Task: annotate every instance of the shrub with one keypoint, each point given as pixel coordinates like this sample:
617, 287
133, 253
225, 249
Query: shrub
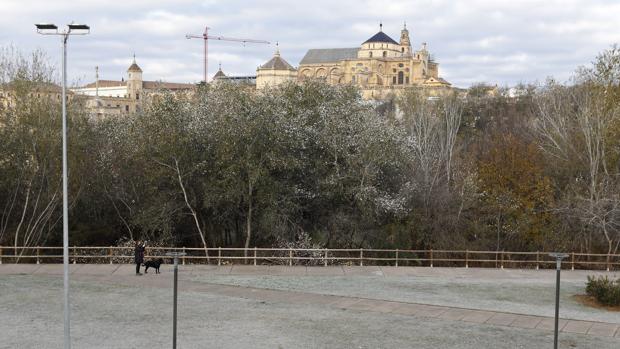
302, 241
606, 291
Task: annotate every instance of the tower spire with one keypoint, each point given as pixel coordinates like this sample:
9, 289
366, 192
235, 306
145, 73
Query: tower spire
380, 26
404, 39
277, 49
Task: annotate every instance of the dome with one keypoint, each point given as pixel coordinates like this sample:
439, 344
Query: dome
382, 38
220, 74
277, 63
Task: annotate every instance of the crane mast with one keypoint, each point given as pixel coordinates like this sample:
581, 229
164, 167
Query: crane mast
206, 37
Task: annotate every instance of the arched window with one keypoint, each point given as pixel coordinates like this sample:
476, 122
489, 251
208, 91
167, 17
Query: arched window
393, 80
402, 50
370, 54
401, 76
384, 53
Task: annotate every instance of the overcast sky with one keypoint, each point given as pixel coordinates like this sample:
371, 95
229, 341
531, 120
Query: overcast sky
499, 42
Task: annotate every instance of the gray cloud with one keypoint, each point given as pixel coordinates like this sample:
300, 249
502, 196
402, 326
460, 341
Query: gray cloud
503, 42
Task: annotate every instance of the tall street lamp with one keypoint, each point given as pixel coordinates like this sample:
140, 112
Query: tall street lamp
558, 267
72, 29
176, 256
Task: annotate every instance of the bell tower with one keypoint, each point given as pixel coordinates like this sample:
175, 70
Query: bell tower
405, 42
134, 80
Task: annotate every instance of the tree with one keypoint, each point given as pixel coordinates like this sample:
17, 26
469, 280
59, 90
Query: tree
432, 127
574, 127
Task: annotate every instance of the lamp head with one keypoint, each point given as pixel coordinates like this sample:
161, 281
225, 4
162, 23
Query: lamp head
46, 28
559, 256
74, 26
43, 26
82, 29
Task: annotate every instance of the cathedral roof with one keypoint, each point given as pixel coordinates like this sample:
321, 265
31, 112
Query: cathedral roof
277, 63
381, 37
328, 55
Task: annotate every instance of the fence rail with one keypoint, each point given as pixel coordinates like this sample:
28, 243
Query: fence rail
325, 257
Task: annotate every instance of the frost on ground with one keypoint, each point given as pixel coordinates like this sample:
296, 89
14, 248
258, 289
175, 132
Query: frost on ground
523, 295
113, 316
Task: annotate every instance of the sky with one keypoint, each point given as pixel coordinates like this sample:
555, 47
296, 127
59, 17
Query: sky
493, 41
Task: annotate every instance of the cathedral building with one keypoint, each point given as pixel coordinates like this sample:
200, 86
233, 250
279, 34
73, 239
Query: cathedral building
380, 67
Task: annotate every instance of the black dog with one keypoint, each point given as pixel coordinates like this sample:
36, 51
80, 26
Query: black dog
153, 264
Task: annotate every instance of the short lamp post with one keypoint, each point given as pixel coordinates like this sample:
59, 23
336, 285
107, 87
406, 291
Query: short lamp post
72, 29
558, 267
176, 256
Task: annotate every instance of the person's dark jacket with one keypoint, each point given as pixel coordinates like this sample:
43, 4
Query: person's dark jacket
139, 254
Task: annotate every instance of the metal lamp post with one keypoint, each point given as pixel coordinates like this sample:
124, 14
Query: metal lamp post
558, 267
176, 256
72, 29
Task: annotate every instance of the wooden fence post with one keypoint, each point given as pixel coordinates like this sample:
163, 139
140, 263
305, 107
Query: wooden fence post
361, 257
183, 258
325, 258
110, 254
608, 260
254, 255
74, 258
572, 261
38, 254
431, 257
0, 254
219, 256
290, 257
396, 264
466, 259
502, 262
537, 260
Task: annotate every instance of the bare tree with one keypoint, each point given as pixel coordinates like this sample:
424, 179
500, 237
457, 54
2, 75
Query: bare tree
572, 125
177, 171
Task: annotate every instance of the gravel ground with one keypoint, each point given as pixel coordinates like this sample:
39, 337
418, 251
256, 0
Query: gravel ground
113, 316
522, 295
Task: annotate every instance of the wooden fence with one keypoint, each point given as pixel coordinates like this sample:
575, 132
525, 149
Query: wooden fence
324, 257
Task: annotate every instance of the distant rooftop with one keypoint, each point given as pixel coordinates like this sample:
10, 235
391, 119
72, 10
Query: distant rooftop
150, 85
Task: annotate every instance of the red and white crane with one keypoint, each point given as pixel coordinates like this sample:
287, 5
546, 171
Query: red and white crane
206, 37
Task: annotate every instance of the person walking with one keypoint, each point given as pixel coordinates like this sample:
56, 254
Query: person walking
138, 256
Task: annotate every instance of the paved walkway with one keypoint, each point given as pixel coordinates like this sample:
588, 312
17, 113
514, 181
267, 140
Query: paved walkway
124, 275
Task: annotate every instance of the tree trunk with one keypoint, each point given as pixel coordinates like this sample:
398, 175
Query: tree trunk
248, 234
21, 221
118, 212
193, 212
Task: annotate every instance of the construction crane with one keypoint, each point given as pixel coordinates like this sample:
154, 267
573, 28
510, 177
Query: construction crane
206, 37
